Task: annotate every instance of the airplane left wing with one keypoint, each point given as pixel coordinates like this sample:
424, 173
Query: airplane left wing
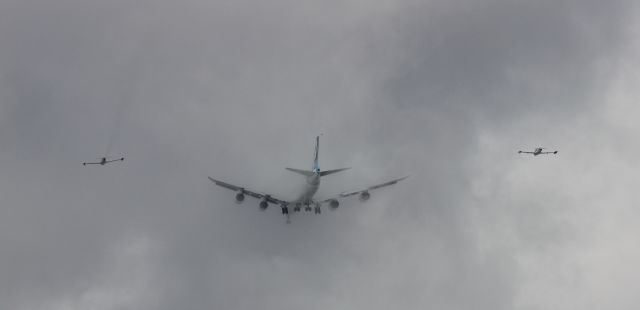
247, 192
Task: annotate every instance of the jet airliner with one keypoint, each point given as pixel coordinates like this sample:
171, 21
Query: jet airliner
306, 199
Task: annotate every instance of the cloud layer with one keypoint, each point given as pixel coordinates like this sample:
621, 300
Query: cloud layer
445, 91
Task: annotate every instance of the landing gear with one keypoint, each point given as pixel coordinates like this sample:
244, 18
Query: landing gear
285, 212
307, 208
296, 208
317, 209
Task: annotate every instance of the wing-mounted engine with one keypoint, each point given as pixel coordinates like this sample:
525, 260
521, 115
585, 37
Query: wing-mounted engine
264, 203
240, 197
334, 204
364, 196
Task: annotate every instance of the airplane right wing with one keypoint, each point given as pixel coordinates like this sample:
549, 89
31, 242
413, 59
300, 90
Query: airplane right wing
363, 192
374, 187
247, 192
110, 161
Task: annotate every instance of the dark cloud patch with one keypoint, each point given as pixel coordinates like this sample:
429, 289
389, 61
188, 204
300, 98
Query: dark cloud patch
498, 59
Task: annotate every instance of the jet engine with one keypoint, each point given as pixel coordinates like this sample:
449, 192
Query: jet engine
239, 197
364, 196
264, 205
334, 204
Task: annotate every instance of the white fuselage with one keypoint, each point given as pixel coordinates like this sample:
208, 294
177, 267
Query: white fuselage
310, 188
537, 152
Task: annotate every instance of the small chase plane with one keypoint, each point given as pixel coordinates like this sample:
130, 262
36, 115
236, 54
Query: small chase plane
305, 200
538, 151
103, 161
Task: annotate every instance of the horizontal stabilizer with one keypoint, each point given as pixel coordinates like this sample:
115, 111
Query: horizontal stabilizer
327, 172
310, 173
300, 171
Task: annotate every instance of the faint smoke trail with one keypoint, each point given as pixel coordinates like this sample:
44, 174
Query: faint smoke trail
126, 97
117, 123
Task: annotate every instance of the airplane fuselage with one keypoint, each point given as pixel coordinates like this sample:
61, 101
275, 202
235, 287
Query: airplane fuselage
311, 187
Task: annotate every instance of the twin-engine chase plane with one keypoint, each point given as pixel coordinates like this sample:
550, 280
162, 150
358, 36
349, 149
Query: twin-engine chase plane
103, 161
306, 199
538, 151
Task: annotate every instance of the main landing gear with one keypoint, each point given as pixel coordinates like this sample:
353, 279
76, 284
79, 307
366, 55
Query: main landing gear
285, 212
307, 208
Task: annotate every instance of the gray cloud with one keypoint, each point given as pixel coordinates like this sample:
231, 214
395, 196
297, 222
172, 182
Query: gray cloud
446, 92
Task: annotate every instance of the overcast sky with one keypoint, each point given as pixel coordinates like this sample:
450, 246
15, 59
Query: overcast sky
447, 91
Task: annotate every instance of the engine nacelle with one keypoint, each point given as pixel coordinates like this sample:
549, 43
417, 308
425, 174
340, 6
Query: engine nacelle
239, 197
364, 196
334, 204
264, 205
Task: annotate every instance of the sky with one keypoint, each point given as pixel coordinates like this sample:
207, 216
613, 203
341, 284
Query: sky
446, 91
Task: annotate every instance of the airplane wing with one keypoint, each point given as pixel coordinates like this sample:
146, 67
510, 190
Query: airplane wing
247, 192
554, 152
90, 164
525, 152
110, 161
366, 190
370, 188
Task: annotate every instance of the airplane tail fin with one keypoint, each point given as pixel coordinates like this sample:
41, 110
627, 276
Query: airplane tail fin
316, 165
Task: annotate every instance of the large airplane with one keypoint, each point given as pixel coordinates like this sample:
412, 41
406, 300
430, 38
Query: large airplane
103, 161
538, 151
305, 199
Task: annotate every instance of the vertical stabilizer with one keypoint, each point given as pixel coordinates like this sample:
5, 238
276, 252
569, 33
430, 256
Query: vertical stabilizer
316, 165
